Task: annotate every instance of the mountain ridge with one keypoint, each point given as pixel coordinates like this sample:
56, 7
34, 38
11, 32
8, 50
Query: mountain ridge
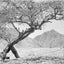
27, 43
50, 39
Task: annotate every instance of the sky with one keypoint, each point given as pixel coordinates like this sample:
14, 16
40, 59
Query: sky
57, 25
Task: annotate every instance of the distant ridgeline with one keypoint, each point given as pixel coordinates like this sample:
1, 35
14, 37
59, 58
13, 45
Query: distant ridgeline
50, 39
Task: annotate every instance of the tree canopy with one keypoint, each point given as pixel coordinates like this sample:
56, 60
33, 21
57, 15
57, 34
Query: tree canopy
34, 14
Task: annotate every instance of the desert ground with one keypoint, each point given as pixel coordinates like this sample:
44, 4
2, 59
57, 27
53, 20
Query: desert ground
47, 48
37, 56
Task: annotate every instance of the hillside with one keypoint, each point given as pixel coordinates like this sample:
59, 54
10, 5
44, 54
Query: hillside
50, 39
27, 43
38, 56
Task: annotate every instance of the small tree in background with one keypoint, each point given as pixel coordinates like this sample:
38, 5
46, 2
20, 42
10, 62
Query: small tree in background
35, 15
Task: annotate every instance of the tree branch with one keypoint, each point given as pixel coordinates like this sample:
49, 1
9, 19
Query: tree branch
24, 22
10, 45
15, 27
24, 35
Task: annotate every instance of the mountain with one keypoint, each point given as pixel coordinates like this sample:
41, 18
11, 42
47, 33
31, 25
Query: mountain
50, 39
27, 43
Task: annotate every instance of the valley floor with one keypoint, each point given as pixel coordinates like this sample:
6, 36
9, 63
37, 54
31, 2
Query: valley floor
39, 60
37, 56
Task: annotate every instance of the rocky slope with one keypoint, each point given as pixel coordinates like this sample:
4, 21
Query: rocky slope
50, 39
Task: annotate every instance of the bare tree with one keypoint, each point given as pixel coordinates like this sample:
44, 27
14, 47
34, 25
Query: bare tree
28, 12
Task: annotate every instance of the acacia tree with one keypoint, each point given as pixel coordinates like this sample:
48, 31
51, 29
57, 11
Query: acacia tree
4, 32
25, 12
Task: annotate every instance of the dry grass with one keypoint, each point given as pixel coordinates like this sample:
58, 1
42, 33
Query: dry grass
39, 60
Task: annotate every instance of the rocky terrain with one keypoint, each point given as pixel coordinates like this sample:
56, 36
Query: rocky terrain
50, 39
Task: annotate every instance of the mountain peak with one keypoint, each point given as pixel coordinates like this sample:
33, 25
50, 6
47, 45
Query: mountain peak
51, 33
50, 39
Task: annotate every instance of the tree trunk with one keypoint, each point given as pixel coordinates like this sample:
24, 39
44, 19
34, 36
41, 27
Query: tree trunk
7, 49
14, 51
10, 45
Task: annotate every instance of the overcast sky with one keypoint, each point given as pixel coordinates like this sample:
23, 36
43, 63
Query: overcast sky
57, 25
